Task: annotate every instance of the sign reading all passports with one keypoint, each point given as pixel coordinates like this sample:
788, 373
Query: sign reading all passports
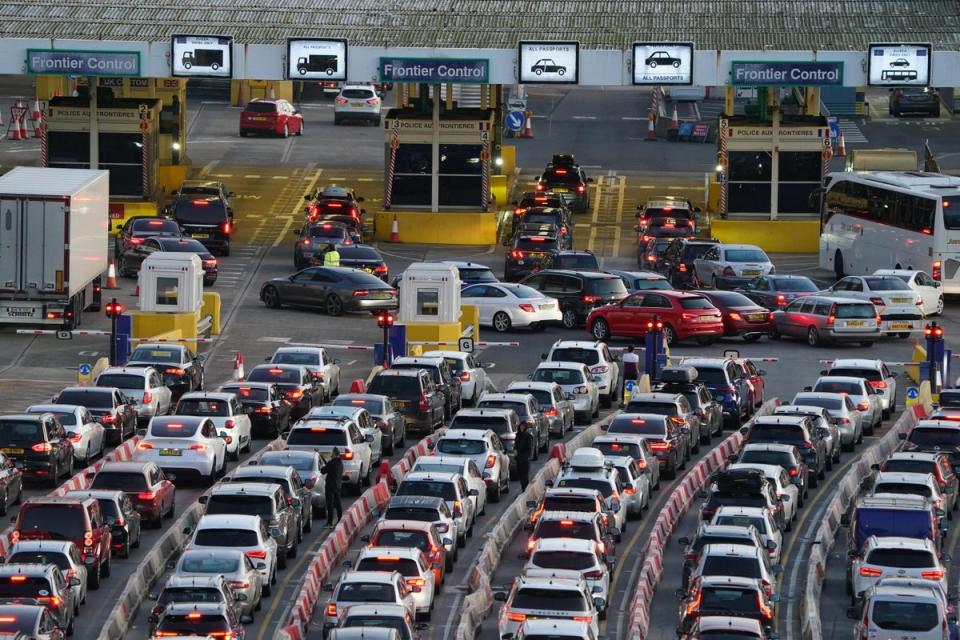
435, 70
549, 62
662, 63
201, 56
316, 59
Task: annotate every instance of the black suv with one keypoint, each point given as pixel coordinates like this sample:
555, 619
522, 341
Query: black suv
578, 292
650, 252
557, 216
682, 380
676, 262
447, 383
531, 199
413, 395
269, 408
532, 250
109, 406
205, 218
570, 182
798, 430
38, 444
576, 260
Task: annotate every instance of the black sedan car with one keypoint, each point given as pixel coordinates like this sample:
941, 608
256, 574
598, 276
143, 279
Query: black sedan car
776, 292
295, 382
337, 290
108, 405
38, 444
138, 228
557, 216
182, 370
129, 262
269, 409
364, 258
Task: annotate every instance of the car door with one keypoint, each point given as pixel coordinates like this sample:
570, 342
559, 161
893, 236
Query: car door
621, 317
927, 288
298, 288
793, 318
706, 265
214, 440
655, 305
155, 386
758, 290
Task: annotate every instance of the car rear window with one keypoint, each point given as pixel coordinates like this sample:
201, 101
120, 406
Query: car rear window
549, 599
850, 388
733, 299
891, 283
655, 408
560, 376
60, 521
781, 458
901, 558
565, 529
910, 466
306, 359
537, 244
403, 387
154, 226
703, 541
903, 488
173, 429
379, 621
358, 94
605, 488
430, 489
249, 394
569, 503
359, 253
238, 504
830, 404
24, 622
191, 625
699, 302
40, 557
401, 538
561, 176
197, 563
407, 567
372, 405
366, 592
108, 508
606, 286
618, 449
588, 357
117, 480
325, 231
20, 432
226, 538
202, 407
794, 285
153, 354
519, 407
317, 436
854, 311
785, 433
20, 586
182, 245
576, 261
736, 566
728, 601
412, 513
190, 594
563, 560
905, 616
261, 107
638, 426
867, 374
652, 284
461, 447
745, 255
742, 521
274, 374
121, 381
496, 424
202, 210
944, 437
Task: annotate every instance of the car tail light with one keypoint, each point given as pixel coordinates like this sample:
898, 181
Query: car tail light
260, 554
310, 482
682, 267
229, 424
108, 419
841, 420
735, 316
641, 464
660, 446
347, 454
380, 269
806, 444
491, 460
373, 101
174, 371
516, 617
728, 271
144, 446
146, 495
442, 527
582, 389
225, 635
581, 188
937, 270
53, 601
226, 227
765, 611
74, 437
197, 446
870, 572
831, 319
878, 320
630, 491
360, 293
200, 203
264, 410
424, 404
210, 262
147, 397
332, 607
516, 254
600, 369
465, 376
878, 384
582, 618
531, 544
416, 582
42, 447
767, 588
591, 299
932, 575
296, 394
18, 578
457, 509
240, 584
593, 575
878, 301
341, 101
863, 406
551, 412
317, 375
526, 307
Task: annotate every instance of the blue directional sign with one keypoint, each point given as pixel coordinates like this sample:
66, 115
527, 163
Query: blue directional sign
514, 120
85, 369
913, 393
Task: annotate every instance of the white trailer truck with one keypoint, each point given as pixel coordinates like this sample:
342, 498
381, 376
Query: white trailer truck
53, 244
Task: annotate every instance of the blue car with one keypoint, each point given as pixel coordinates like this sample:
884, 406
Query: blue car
720, 377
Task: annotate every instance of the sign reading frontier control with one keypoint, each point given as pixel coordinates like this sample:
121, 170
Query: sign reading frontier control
83, 63
787, 74
435, 70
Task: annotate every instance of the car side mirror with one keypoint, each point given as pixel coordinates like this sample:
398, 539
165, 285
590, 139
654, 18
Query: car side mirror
328, 587
431, 445
901, 436
90, 475
845, 522
74, 582
808, 388
240, 597
308, 197
474, 493
744, 429
615, 532
368, 438
599, 603
762, 372
785, 498
702, 494
947, 557
246, 619
142, 433
500, 596
260, 566
684, 541
568, 396
111, 520
187, 531
447, 542
771, 545
589, 179
853, 612
296, 232
531, 504
203, 499
777, 569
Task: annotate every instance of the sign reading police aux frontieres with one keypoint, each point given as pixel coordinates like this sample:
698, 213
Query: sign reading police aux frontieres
787, 74
435, 70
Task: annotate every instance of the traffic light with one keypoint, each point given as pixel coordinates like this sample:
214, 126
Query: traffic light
651, 325
933, 331
385, 319
114, 309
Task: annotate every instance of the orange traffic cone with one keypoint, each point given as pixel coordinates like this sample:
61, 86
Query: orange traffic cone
386, 474
651, 126
841, 147
14, 129
36, 108
111, 277
675, 119
395, 230
238, 367
23, 127
528, 128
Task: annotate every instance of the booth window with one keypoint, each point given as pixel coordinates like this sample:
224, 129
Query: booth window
748, 197
414, 158
460, 175
428, 302
750, 166
800, 173
67, 148
167, 291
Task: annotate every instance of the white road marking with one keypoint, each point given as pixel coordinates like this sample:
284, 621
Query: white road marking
584, 117
207, 168
288, 149
281, 177
631, 118
252, 176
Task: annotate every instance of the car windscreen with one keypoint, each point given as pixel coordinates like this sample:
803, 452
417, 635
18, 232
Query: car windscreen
785, 433
867, 374
736, 566
407, 567
25, 433
249, 394
588, 357
578, 261
305, 358
903, 488
202, 210
239, 504
412, 513
535, 244
404, 538
59, 521
905, 616
519, 407
910, 466
560, 376
403, 387
853, 311
202, 563
901, 558
945, 437
698, 302
549, 599
578, 504
24, 586
461, 447
563, 560
835, 386
226, 538
366, 592
830, 404
638, 427
794, 285
890, 283
121, 381
618, 449
497, 424
182, 245
655, 408
582, 530
202, 407
275, 374
612, 286
66, 418
605, 488
154, 227
119, 480
318, 436
728, 601
41, 557
781, 458
704, 540
165, 429
155, 354
428, 488
745, 255
190, 594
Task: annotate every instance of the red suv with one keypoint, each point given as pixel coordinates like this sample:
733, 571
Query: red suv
152, 493
270, 116
69, 518
683, 315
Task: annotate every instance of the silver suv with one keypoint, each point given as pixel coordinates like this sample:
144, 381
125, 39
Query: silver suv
357, 102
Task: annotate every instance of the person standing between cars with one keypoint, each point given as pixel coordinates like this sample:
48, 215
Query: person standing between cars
523, 446
331, 257
631, 365
333, 469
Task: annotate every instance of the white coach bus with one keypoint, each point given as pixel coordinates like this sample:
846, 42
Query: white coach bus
892, 220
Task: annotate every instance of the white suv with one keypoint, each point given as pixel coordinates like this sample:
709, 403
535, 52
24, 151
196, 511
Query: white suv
598, 359
574, 378
242, 532
324, 434
357, 102
897, 557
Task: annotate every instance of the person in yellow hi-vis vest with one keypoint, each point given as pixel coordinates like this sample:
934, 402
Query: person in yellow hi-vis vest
331, 258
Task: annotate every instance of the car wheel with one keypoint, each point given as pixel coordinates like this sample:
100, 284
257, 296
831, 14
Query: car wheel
267, 590
501, 321
55, 476
939, 310
601, 331
569, 318
333, 306
271, 297
669, 335
300, 129
236, 454
715, 283
813, 337
774, 333
286, 131
3, 504
752, 337
243, 133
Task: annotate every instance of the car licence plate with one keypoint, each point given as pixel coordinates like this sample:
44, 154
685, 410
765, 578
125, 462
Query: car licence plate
257, 119
356, 104
399, 404
559, 190
546, 306
11, 451
750, 272
170, 452
381, 295
854, 323
900, 300
199, 235
757, 316
899, 325
22, 312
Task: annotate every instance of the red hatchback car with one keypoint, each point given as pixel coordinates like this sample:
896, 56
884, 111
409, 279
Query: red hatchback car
152, 493
741, 315
684, 315
270, 116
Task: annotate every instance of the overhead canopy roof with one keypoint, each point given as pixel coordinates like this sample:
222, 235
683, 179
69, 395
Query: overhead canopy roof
596, 24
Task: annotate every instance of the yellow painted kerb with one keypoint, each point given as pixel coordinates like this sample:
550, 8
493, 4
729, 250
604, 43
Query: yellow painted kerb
452, 227
775, 236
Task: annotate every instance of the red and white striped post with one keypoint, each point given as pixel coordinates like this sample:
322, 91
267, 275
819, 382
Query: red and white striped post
391, 170
724, 128
145, 142
826, 156
485, 171
44, 141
